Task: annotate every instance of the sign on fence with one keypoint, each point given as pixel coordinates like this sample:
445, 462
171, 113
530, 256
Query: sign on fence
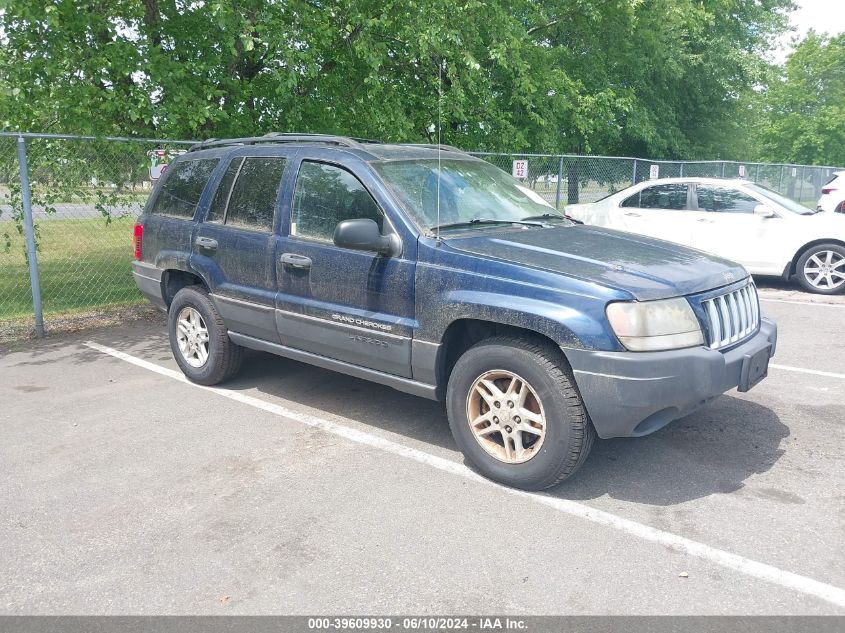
160, 159
520, 169
654, 172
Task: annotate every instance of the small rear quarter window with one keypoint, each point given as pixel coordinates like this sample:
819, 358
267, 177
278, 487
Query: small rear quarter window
183, 185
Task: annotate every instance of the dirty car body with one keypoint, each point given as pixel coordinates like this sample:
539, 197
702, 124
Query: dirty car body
408, 314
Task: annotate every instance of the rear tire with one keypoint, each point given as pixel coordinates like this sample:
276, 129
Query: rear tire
821, 269
515, 413
200, 340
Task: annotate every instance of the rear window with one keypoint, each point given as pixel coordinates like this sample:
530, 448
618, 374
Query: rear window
180, 192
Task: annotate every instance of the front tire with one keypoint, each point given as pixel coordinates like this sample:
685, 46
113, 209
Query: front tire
200, 340
821, 269
516, 415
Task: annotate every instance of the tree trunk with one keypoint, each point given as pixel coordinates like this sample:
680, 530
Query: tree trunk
572, 183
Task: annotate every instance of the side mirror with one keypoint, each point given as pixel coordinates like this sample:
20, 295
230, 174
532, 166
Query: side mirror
363, 235
764, 211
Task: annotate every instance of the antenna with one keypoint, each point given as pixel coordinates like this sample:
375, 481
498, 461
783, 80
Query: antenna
439, 149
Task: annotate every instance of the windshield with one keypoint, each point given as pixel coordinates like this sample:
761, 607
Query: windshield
472, 193
786, 203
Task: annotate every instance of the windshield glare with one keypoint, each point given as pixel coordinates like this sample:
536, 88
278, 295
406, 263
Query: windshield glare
786, 203
469, 190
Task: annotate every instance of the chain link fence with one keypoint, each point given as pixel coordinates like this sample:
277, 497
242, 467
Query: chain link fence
563, 180
85, 196
87, 192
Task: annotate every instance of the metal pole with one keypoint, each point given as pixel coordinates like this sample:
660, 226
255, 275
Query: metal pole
634, 173
34, 280
780, 182
682, 170
723, 169
801, 188
757, 178
559, 178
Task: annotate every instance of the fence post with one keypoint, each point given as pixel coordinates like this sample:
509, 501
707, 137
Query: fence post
682, 170
634, 174
757, 178
31, 255
780, 182
723, 169
559, 178
801, 187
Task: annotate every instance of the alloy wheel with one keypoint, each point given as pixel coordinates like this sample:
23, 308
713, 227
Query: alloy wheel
192, 337
825, 270
506, 416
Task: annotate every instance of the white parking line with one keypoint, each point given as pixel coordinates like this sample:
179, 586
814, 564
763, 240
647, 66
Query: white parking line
805, 303
762, 571
814, 372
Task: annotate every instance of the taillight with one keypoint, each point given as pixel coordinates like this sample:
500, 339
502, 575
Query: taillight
137, 240
828, 190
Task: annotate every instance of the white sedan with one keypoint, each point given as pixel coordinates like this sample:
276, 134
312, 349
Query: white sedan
736, 219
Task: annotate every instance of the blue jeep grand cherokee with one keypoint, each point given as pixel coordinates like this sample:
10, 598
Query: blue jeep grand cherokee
433, 272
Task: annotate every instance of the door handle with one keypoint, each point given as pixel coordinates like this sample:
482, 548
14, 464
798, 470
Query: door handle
708, 220
207, 243
295, 261
631, 214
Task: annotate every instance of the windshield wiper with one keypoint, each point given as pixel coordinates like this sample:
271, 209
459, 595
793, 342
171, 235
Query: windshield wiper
546, 216
477, 221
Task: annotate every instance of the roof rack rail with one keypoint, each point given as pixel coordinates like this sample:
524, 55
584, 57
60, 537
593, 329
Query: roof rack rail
441, 146
284, 137
331, 137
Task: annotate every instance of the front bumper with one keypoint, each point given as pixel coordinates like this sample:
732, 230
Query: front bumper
629, 394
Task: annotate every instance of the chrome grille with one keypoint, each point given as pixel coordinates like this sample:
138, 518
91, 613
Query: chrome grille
732, 316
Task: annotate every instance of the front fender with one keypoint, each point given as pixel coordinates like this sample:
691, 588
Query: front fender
581, 326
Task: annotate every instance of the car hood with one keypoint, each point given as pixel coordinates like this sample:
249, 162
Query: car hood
646, 268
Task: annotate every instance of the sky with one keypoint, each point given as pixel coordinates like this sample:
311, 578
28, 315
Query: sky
823, 16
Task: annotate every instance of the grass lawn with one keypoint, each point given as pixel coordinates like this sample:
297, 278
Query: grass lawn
84, 264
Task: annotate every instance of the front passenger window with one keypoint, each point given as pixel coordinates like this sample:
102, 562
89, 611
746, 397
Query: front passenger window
327, 195
724, 200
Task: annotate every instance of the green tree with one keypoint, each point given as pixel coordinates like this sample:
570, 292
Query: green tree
804, 118
667, 78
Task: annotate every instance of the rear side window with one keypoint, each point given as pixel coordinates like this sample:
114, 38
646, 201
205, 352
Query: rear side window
246, 197
182, 187
724, 200
217, 210
672, 196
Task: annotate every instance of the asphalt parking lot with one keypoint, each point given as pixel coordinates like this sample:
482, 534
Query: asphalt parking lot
296, 490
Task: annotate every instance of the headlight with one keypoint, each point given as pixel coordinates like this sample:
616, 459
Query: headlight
650, 326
